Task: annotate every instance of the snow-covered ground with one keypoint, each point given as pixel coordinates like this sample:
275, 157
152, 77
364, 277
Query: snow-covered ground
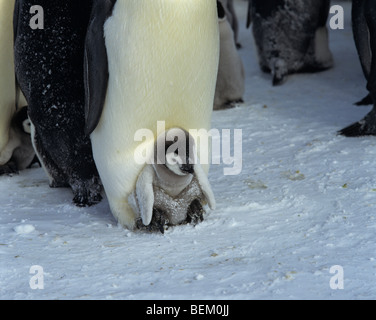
304, 202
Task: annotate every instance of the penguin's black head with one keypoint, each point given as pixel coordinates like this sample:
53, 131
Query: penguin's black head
21, 121
179, 152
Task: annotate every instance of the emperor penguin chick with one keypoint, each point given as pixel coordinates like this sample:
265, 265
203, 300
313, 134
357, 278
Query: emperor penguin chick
19, 153
171, 190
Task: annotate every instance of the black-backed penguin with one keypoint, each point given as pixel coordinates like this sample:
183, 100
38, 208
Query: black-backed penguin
364, 30
171, 189
49, 70
7, 77
361, 35
291, 36
230, 85
19, 153
146, 61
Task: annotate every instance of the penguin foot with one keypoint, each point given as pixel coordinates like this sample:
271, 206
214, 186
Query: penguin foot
279, 71
195, 212
278, 80
9, 168
228, 105
159, 222
34, 161
87, 193
365, 101
365, 127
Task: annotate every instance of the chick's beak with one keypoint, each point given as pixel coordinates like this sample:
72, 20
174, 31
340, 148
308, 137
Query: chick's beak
187, 168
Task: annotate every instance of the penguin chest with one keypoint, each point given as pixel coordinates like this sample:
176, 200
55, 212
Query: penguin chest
176, 208
162, 64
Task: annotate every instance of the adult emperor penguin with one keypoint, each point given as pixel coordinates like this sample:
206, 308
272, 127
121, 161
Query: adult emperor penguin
171, 189
230, 85
146, 61
291, 36
49, 70
364, 30
7, 76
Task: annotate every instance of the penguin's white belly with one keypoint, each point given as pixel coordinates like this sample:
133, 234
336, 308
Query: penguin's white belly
163, 61
7, 77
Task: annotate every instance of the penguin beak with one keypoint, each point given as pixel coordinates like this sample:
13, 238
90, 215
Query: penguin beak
187, 168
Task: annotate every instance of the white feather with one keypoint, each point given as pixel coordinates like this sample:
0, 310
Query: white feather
145, 194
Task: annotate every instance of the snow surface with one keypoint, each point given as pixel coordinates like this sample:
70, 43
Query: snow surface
304, 202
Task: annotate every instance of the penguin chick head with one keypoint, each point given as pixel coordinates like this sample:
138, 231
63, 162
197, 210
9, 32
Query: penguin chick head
21, 121
176, 151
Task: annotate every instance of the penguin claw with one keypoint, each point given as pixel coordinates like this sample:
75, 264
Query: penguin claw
159, 222
229, 104
364, 127
10, 169
87, 193
278, 80
195, 213
365, 101
359, 129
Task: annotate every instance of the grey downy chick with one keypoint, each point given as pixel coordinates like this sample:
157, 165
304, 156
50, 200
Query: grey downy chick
173, 189
19, 153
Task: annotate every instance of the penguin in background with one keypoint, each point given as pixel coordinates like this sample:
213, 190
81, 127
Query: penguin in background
232, 18
8, 93
230, 85
364, 30
49, 71
361, 38
162, 66
291, 36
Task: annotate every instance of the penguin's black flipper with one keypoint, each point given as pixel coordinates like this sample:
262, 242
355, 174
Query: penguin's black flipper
249, 14
361, 35
96, 64
16, 15
365, 101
